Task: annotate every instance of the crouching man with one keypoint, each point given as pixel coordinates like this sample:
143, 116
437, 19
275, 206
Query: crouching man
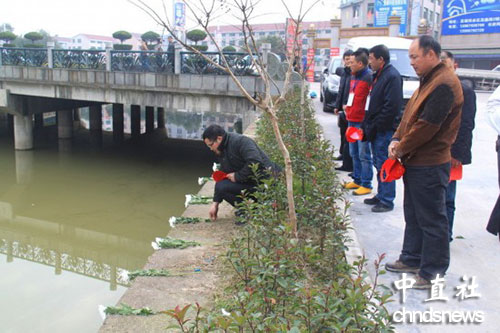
236, 153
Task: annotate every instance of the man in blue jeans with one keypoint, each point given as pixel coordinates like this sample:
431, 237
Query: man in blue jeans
355, 113
384, 105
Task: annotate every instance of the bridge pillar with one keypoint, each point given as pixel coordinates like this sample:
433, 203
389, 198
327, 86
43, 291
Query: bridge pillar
24, 166
95, 118
95, 124
150, 119
118, 123
65, 124
10, 124
160, 120
135, 121
23, 132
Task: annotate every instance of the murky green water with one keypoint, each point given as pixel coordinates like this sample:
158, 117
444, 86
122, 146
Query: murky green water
73, 217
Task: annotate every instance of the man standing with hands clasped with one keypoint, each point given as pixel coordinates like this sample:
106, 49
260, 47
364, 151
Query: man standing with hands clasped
361, 80
384, 105
422, 141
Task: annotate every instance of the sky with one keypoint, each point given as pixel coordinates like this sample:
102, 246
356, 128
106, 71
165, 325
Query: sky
67, 18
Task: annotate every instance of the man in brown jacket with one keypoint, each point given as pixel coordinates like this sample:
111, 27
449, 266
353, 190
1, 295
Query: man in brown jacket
422, 142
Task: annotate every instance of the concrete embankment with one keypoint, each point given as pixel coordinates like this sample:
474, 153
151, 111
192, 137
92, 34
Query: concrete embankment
195, 274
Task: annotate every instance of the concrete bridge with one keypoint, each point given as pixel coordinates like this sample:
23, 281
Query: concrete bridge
29, 89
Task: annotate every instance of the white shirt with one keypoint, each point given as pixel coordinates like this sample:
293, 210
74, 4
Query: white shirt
493, 110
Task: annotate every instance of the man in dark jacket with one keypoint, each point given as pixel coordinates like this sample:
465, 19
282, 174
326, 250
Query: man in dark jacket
386, 99
340, 103
236, 154
461, 149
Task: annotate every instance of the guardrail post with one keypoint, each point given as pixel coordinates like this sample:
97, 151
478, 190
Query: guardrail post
265, 49
177, 59
50, 58
109, 46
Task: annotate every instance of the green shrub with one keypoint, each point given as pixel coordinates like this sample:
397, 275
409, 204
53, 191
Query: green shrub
122, 35
229, 49
122, 47
196, 35
33, 36
9, 45
201, 48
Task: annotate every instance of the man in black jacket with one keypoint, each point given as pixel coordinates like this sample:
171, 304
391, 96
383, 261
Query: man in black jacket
383, 106
341, 101
461, 149
236, 154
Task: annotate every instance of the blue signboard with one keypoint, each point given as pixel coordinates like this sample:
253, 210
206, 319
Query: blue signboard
386, 8
465, 17
179, 14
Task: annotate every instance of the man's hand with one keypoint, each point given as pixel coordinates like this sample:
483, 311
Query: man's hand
214, 209
455, 162
392, 150
336, 110
231, 177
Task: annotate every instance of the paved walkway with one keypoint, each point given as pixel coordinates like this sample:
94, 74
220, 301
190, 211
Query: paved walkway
477, 254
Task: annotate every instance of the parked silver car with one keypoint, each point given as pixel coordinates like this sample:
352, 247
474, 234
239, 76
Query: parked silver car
330, 83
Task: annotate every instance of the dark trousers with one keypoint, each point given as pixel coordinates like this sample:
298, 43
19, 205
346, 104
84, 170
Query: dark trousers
426, 242
451, 192
344, 145
386, 192
229, 191
494, 222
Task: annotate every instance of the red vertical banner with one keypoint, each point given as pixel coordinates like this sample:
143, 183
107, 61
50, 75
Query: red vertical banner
310, 65
291, 29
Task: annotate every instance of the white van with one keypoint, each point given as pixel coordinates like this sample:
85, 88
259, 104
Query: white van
398, 48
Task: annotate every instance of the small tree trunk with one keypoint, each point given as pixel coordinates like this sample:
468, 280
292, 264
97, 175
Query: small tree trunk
292, 217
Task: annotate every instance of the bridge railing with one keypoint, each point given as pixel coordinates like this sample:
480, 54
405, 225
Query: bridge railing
127, 61
142, 61
240, 63
79, 59
16, 56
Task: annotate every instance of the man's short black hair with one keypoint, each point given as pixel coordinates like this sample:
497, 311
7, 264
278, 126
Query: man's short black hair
427, 43
347, 53
361, 56
364, 50
381, 51
449, 55
212, 132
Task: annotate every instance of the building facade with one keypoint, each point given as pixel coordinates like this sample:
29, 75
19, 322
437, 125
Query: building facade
471, 30
375, 13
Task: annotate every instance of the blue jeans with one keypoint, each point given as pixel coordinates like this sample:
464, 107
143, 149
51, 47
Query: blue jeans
451, 192
386, 192
426, 242
361, 160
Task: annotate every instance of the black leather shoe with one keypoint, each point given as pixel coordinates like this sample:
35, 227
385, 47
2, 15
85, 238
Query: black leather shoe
381, 208
371, 201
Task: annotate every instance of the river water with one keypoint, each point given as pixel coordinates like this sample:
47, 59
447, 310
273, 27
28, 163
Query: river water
74, 217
